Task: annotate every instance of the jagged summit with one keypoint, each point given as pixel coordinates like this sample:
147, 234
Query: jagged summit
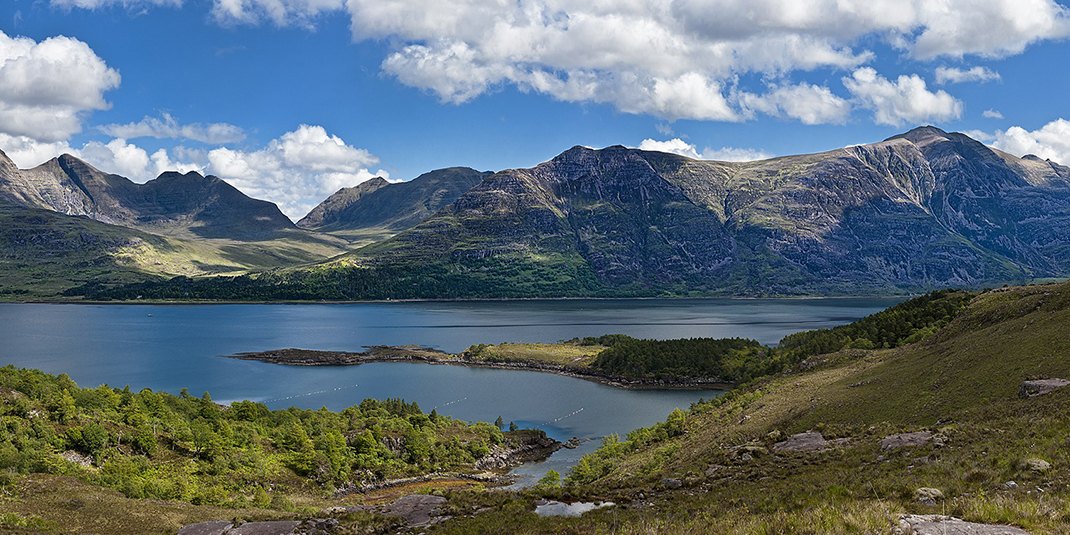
921, 134
377, 204
207, 206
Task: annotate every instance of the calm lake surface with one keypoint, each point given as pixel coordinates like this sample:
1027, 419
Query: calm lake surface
170, 347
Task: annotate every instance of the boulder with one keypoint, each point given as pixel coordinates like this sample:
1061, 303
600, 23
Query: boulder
928, 495
906, 440
672, 483
1039, 387
1036, 465
808, 441
946, 525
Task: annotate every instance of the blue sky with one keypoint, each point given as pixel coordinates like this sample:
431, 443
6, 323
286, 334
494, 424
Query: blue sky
402, 87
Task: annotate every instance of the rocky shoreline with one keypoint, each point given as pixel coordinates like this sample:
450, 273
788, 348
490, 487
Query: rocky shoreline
312, 357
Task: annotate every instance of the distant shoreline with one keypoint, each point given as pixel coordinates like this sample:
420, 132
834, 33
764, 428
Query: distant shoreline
415, 354
162, 302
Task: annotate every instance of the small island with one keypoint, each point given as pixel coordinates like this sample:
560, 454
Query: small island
606, 359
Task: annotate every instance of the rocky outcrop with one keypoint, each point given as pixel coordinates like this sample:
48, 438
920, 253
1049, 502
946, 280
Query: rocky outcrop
906, 440
928, 495
525, 445
808, 441
414, 510
946, 525
1036, 465
1039, 387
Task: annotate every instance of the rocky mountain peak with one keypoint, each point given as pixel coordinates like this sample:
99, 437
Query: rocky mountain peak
922, 135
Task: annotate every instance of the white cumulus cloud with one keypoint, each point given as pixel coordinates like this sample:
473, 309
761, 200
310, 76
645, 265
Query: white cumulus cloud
907, 100
683, 148
167, 127
1051, 141
131, 161
991, 114
47, 87
301, 13
810, 104
678, 59
297, 170
954, 75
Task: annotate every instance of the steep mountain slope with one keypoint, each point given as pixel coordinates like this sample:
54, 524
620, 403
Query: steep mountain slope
327, 212
44, 253
922, 210
206, 206
919, 211
379, 206
66, 223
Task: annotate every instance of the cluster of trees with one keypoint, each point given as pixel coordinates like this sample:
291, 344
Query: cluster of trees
907, 322
153, 444
727, 359
740, 360
489, 277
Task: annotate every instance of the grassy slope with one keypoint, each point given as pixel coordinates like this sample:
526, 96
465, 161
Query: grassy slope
961, 383
562, 353
43, 253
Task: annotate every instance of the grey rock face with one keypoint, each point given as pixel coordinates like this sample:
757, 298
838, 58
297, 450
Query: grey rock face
378, 204
946, 525
808, 441
1039, 387
924, 210
207, 206
906, 440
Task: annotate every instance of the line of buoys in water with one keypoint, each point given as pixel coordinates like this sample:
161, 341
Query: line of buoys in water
295, 396
449, 403
573, 413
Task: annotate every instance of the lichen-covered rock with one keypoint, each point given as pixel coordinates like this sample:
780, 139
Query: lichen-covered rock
808, 441
906, 440
946, 525
1036, 465
1039, 387
928, 495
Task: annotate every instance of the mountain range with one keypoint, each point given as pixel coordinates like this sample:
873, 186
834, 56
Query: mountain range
920, 210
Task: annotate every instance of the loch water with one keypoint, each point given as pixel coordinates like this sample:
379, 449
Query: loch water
170, 347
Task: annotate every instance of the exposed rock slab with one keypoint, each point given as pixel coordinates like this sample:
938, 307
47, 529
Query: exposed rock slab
1039, 387
906, 440
216, 527
415, 510
946, 525
222, 527
808, 441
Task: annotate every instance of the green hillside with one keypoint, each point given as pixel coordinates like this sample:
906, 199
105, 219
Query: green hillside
961, 384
